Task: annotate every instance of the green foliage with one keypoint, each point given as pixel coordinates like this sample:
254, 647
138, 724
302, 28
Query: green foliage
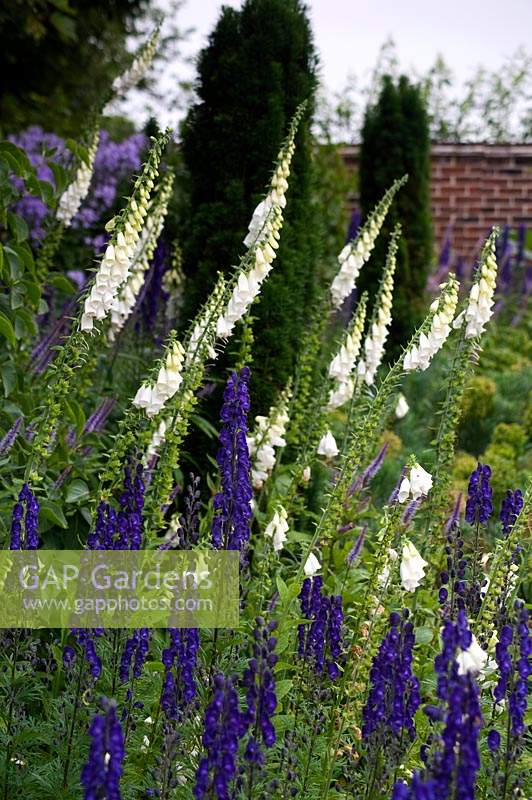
258, 67
58, 59
395, 140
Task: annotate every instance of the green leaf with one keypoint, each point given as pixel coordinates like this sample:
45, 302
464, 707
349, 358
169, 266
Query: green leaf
24, 323
154, 666
424, 635
17, 158
9, 378
282, 688
282, 588
76, 414
7, 330
17, 226
204, 425
53, 512
16, 264
65, 26
77, 490
61, 282
18, 295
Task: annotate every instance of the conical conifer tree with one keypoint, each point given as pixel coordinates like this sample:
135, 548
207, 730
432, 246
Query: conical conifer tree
258, 66
395, 141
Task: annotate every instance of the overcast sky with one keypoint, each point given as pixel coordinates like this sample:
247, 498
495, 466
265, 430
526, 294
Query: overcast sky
349, 33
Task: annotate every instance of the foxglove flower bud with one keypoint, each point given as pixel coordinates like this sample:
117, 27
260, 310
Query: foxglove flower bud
312, 566
412, 567
115, 264
277, 528
327, 446
382, 315
402, 408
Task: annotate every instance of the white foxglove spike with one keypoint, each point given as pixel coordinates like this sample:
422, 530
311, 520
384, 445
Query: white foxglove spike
74, 195
268, 435
123, 83
481, 297
419, 356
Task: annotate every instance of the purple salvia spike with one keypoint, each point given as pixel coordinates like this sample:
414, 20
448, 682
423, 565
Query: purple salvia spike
395, 494
9, 439
357, 547
454, 519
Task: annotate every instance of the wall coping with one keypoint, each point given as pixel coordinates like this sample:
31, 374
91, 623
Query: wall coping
463, 149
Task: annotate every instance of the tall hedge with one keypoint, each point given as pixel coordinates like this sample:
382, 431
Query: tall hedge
258, 66
395, 140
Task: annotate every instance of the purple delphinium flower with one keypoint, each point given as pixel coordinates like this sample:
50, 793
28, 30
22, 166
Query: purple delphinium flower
69, 656
129, 520
187, 534
511, 507
121, 530
224, 727
451, 768
100, 777
320, 643
261, 699
394, 696
8, 440
410, 510
154, 297
25, 516
85, 639
179, 659
101, 538
135, 653
232, 509
512, 653
479, 496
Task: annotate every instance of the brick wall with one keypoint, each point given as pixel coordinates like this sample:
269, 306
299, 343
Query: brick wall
474, 186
